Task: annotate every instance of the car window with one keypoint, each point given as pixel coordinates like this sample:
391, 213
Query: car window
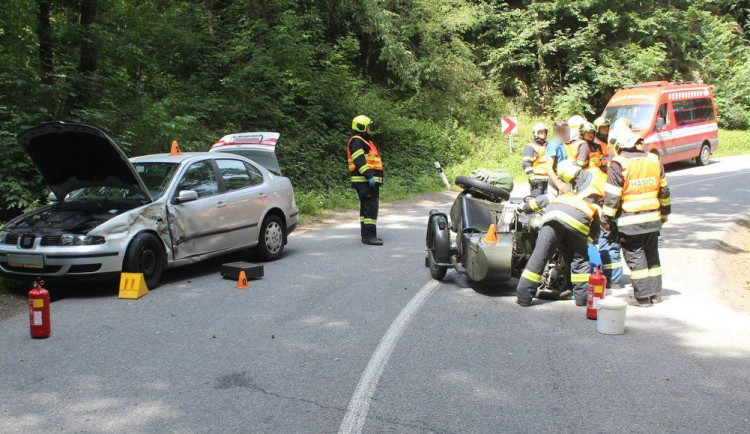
255, 176
234, 173
692, 111
200, 178
264, 158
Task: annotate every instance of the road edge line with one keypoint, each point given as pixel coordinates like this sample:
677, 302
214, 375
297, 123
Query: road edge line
359, 405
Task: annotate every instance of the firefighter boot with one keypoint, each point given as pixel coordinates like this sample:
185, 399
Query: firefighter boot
372, 241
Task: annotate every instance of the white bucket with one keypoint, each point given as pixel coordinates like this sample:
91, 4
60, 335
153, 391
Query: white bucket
610, 316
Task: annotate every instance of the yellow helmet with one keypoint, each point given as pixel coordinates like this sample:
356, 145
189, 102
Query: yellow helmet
360, 123
567, 170
601, 121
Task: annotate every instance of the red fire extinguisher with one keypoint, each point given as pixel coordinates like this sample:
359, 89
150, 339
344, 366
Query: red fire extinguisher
39, 310
597, 283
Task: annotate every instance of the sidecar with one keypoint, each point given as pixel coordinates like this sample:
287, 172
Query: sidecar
493, 240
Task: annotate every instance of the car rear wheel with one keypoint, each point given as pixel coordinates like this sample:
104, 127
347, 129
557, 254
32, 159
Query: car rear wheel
704, 157
145, 255
271, 238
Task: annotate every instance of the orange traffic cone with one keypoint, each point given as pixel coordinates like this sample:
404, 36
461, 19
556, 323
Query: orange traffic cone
242, 281
175, 149
491, 234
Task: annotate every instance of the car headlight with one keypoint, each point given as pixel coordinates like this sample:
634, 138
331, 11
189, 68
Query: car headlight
2, 236
80, 240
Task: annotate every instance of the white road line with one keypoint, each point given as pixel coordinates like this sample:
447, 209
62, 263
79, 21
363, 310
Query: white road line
709, 179
356, 411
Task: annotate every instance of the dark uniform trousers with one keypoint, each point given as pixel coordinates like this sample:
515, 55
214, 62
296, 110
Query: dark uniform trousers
538, 187
642, 256
369, 198
575, 251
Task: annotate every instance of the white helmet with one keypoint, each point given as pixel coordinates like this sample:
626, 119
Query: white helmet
575, 123
621, 128
628, 141
539, 127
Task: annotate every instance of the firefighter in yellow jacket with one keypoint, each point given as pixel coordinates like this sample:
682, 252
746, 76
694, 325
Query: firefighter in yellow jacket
636, 204
366, 176
570, 221
535, 161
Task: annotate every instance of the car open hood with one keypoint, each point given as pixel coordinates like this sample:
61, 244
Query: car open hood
72, 156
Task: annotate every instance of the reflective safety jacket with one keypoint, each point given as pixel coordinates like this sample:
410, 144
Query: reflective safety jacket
573, 148
636, 193
606, 155
534, 161
579, 211
587, 155
364, 161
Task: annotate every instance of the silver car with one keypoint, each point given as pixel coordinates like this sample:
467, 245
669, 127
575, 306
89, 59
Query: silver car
140, 215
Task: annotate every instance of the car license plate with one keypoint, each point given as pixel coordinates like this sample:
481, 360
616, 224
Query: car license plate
25, 261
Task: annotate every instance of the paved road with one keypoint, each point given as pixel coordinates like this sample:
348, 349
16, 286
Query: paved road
314, 338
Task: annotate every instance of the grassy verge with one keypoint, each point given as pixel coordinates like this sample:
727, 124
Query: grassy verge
733, 142
313, 204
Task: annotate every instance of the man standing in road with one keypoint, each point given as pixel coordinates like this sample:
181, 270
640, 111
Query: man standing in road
366, 171
534, 161
636, 204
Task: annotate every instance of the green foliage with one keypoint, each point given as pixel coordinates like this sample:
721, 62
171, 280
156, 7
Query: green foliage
435, 75
733, 142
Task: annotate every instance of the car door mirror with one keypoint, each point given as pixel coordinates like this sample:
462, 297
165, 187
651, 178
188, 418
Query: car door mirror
52, 197
660, 123
187, 196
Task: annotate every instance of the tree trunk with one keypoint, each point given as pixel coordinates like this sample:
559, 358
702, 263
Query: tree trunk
44, 32
209, 4
89, 53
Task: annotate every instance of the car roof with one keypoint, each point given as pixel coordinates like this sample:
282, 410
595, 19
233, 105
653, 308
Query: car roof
185, 156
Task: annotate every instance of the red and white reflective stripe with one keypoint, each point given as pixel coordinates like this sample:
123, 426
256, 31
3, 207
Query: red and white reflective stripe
681, 132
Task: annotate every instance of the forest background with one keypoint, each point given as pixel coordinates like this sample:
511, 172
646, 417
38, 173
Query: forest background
434, 75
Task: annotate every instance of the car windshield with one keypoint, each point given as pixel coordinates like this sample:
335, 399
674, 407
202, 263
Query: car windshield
156, 176
639, 115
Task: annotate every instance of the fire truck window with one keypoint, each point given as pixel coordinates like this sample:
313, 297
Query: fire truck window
693, 111
662, 114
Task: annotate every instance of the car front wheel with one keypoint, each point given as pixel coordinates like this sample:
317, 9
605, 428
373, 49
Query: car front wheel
145, 255
271, 238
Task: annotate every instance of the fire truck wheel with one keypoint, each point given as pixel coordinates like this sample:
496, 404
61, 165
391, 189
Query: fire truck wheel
705, 156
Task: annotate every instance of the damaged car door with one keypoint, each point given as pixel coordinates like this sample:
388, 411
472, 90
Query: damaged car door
195, 212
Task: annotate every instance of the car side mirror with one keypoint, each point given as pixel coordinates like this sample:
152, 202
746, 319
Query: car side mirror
187, 196
660, 123
52, 197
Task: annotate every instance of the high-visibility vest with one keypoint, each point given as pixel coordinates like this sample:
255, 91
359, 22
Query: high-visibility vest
372, 160
596, 185
595, 159
606, 157
577, 202
572, 148
641, 183
539, 167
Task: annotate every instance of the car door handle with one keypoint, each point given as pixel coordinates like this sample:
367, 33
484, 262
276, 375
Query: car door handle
262, 195
221, 204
